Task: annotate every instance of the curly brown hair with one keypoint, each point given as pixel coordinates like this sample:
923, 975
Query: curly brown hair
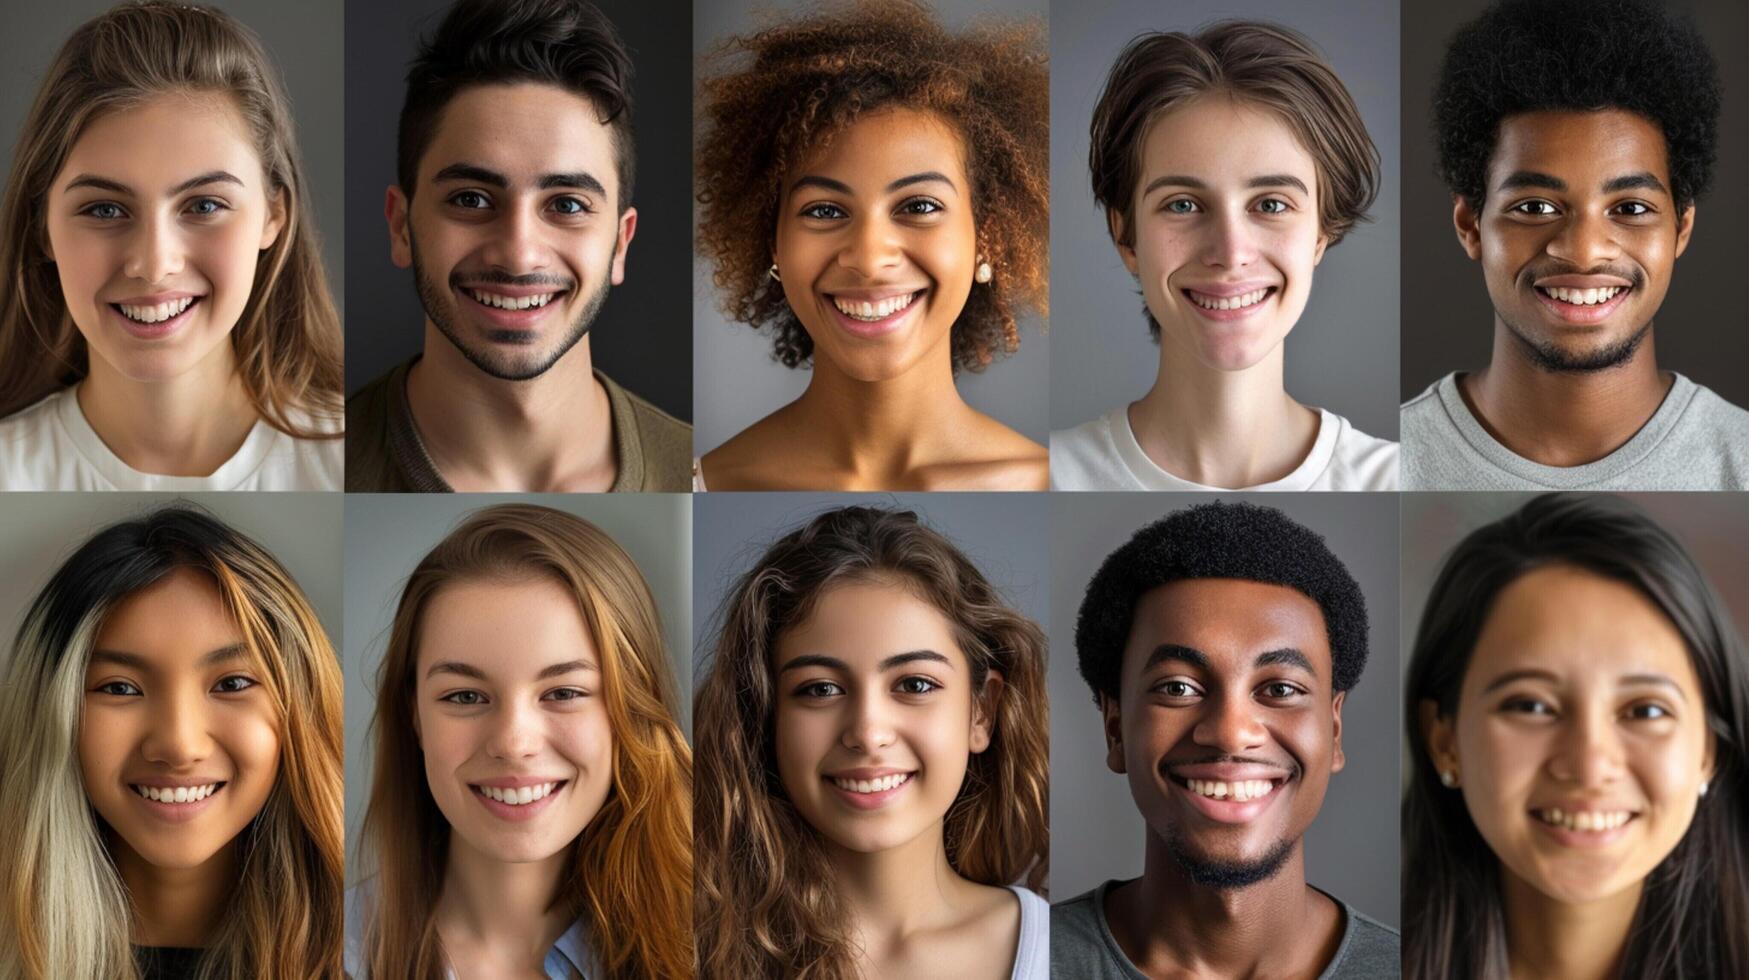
779, 95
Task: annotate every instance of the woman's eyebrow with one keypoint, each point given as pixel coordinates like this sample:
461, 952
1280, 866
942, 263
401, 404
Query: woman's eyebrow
456, 667
567, 667
122, 657
1518, 675
117, 187
886, 664
1657, 680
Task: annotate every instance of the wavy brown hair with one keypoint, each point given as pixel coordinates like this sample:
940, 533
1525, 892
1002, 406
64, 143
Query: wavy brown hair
778, 96
287, 342
768, 904
630, 874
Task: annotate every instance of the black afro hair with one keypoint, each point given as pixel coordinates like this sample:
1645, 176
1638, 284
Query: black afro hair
1535, 55
1218, 540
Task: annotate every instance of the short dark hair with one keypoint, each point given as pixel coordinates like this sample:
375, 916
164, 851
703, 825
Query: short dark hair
1219, 540
1581, 56
567, 43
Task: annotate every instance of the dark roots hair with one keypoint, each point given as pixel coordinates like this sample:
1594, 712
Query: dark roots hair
779, 95
1581, 56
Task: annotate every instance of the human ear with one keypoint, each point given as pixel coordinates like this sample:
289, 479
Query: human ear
1441, 742
395, 205
1112, 713
1337, 759
628, 226
1318, 252
1114, 224
1684, 228
1469, 226
984, 710
276, 217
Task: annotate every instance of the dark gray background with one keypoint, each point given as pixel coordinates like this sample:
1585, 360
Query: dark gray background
641, 338
387, 536
1448, 322
1096, 832
735, 380
303, 39
1342, 355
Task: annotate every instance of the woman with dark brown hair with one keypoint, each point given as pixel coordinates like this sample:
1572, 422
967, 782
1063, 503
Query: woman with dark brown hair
872, 763
874, 193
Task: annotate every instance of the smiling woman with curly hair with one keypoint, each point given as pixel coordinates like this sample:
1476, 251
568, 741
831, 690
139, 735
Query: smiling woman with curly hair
874, 193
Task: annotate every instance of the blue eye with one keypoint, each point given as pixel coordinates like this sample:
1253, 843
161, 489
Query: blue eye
104, 211
206, 207
566, 694
1181, 206
466, 699
1272, 205
234, 684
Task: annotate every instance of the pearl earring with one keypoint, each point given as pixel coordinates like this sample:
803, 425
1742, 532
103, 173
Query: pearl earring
1448, 777
1704, 786
983, 274
772, 272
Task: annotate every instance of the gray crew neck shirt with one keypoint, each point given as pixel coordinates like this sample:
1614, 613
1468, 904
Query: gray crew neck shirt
1083, 947
1694, 441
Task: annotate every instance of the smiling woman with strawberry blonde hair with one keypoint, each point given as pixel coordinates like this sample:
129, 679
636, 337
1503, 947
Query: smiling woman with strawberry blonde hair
166, 323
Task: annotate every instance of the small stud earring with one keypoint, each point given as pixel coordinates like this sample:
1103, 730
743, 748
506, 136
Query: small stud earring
1704, 786
772, 272
1449, 778
983, 274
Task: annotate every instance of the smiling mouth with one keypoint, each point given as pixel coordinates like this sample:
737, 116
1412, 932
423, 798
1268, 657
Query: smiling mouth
1238, 791
158, 313
874, 311
178, 794
1581, 297
499, 301
1239, 302
1587, 821
881, 785
519, 796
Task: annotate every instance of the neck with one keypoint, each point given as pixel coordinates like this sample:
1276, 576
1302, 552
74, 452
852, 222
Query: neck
881, 430
1175, 925
1555, 940
552, 432
513, 908
1222, 428
176, 906
1563, 418
898, 892
188, 425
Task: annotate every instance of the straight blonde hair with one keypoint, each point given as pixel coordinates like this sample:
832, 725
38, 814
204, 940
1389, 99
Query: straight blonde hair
287, 342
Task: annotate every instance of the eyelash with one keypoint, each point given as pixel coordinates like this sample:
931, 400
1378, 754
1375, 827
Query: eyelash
817, 690
454, 697
1644, 209
133, 691
817, 210
583, 207
218, 206
1196, 208
1541, 709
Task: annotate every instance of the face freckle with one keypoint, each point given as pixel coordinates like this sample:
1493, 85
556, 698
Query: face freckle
875, 718
1579, 739
876, 245
1226, 726
1226, 231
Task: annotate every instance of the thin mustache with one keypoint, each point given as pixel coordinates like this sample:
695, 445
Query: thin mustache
1633, 274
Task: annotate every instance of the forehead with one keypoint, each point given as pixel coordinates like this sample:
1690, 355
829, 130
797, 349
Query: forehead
862, 623
1230, 621
1222, 140
164, 141
523, 131
507, 628
1584, 149
1577, 626
886, 144
180, 616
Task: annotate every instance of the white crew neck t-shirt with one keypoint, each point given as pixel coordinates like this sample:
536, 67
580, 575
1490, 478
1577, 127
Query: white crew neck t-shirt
51, 446
1104, 455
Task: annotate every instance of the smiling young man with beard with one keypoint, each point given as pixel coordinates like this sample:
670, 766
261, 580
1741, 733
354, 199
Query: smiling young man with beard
513, 208
1220, 644
1575, 136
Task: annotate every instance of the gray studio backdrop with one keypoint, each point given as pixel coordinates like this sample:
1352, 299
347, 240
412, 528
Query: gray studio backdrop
1342, 355
736, 381
303, 39
388, 534
39, 531
1096, 833
642, 338
1448, 321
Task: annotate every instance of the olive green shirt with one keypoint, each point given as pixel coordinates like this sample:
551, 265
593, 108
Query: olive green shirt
384, 454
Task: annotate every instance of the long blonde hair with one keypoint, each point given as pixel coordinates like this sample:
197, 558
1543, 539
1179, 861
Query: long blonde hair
287, 341
768, 901
631, 869
63, 910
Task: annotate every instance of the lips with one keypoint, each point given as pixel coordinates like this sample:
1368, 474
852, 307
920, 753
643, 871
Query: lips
517, 800
177, 803
869, 789
869, 315
512, 308
150, 318
1227, 303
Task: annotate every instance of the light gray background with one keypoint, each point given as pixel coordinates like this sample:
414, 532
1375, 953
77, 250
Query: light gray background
40, 531
1342, 355
303, 39
736, 381
641, 339
388, 534
1714, 527
1096, 832
1448, 321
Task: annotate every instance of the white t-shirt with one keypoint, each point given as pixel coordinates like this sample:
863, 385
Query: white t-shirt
51, 446
1103, 455
1032, 950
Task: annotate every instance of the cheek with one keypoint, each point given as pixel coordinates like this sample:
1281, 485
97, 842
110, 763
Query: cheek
104, 740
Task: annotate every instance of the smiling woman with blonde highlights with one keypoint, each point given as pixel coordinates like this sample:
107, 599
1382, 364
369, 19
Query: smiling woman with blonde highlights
165, 320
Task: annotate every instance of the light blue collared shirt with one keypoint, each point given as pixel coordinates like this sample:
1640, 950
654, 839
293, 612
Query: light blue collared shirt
571, 958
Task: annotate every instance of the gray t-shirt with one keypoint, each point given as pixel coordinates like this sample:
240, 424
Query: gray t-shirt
1694, 441
1083, 947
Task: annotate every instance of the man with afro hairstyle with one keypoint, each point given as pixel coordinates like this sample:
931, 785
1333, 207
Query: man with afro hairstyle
1219, 644
1575, 137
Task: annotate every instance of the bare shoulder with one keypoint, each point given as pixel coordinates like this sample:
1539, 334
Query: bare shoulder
763, 456
992, 457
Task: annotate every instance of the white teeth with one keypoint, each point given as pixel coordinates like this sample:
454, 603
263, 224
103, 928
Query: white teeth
178, 794
880, 785
1238, 302
1582, 297
1242, 791
1590, 821
518, 796
512, 302
158, 313
873, 311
